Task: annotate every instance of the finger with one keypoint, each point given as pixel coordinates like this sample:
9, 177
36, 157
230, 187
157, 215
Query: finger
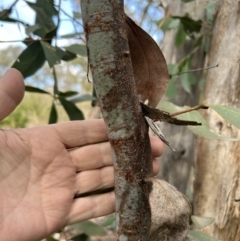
78, 133
156, 166
11, 92
99, 155
92, 207
88, 181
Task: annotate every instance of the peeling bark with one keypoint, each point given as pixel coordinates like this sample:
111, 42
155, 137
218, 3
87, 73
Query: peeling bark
218, 162
110, 63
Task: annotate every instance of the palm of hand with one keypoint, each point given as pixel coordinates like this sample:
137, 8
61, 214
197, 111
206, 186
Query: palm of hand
44, 188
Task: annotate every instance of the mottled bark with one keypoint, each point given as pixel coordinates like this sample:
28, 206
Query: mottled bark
218, 173
176, 166
104, 24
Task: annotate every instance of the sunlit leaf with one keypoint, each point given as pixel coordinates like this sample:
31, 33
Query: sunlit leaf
30, 60
81, 98
90, 228
149, 65
201, 222
36, 90
53, 117
169, 23
50, 238
110, 220
78, 49
72, 110
199, 236
230, 114
203, 130
51, 54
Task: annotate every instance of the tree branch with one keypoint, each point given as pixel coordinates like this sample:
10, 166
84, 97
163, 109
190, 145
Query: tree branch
107, 44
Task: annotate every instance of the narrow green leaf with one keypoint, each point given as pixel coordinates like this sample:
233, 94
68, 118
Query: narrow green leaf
78, 49
77, 15
51, 54
187, 1
73, 112
53, 117
201, 222
72, 35
180, 36
81, 237
199, 236
68, 94
210, 10
35, 89
30, 60
55, 86
30, 29
203, 130
230, 114
90, 228
81, 98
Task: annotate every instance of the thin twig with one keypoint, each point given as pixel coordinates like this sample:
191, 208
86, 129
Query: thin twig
195, 70
189, 110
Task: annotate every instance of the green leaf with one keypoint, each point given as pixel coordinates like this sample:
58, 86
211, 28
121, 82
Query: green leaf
73, 112
36, 90
81, 98
109, 221
77, 15
180, 36
78, 49
68, 93
30, 29
199, 236
52, 55
201, 222
90, 228
210, 10
169, 23
53, 117
190, 26
230, 114
81, 237
44, 13
172, 87
65, 55
203, 130
187, 1
30, 60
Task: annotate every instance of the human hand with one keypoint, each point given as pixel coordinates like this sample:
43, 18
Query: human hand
42, 168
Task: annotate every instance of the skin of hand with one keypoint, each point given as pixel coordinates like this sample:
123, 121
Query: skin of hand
42, 168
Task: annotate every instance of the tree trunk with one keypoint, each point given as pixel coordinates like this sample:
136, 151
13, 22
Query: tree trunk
217, 165
176, 166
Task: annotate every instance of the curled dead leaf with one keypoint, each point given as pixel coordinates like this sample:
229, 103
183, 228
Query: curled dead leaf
149, 65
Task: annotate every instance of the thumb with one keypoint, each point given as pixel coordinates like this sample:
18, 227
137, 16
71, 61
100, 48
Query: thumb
11, 92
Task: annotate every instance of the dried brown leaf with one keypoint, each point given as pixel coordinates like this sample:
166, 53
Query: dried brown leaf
149, 65
171, 212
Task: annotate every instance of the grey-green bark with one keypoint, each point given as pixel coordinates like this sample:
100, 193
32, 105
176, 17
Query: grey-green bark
104, 25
